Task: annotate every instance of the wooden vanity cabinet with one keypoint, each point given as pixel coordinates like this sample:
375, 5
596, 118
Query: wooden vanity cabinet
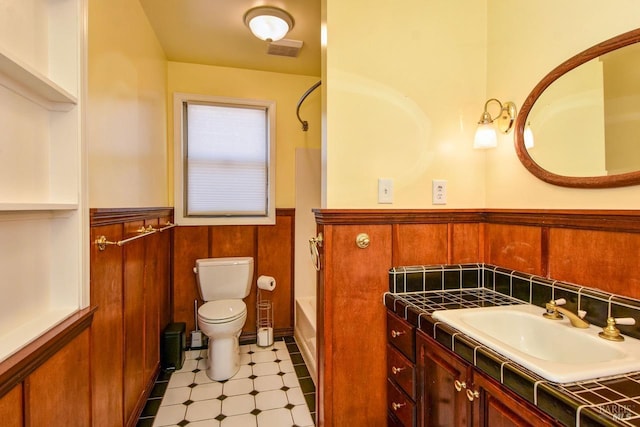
445, 379
401, 373
430, 386
455, 394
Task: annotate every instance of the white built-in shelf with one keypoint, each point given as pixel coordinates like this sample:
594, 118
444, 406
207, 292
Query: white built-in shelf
22, 207
19, 335
30, 83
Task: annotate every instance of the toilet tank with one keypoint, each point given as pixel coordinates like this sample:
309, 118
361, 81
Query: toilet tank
224, 278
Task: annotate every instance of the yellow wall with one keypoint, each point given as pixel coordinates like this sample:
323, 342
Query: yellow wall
526, 40
405, 88
404, 94
285, 89
126, 108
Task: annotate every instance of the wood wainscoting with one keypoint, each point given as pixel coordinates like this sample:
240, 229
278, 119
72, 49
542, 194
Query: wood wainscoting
130, 286
271, 247
593, 248
48, 381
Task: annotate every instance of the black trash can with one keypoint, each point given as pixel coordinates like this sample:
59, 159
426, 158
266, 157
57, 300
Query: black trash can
173, 343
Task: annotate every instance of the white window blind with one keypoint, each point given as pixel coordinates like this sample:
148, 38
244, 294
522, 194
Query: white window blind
226, 160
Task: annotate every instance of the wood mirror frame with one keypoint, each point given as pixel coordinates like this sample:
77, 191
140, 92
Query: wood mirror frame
619, 180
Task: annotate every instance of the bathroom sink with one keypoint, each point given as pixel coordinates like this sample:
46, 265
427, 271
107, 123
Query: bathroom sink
553, 349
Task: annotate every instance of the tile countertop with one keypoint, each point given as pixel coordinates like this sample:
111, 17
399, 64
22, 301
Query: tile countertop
610, 401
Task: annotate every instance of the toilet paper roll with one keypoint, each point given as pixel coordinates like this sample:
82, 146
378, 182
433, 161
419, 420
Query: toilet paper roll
267, 283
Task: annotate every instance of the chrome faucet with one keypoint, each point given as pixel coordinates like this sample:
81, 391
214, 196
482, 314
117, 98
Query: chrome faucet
555, 312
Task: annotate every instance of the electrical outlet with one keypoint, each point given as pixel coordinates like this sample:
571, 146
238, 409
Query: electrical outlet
385, 190
439, 192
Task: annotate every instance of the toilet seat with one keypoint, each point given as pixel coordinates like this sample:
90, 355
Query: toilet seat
222, 311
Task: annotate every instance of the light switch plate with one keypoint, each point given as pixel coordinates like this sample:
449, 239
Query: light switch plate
385, 190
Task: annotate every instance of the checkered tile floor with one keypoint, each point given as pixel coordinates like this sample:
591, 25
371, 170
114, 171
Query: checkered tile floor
271, 389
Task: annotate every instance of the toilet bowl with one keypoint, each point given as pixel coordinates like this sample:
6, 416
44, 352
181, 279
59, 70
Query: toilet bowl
223, 283
222, 322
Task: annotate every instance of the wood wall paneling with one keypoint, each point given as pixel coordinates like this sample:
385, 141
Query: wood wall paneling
130, 285
153, 288
353, 371
107, 374
163, 273
275, 258
417, 244
134, 321
466, 243
598, 259
233, 240
190, 244
11, 409
58, 392
514, 246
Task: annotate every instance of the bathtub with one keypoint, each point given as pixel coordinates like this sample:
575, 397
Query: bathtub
305, 332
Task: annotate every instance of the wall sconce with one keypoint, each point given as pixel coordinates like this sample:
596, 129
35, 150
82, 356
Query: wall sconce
268, 23
486, 134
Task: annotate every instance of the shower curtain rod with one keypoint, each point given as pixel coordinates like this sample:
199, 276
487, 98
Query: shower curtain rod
305, 124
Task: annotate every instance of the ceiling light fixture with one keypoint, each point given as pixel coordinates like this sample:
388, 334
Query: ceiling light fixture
268, 23
486, 134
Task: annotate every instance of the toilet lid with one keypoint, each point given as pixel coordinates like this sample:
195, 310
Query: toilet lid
222, 311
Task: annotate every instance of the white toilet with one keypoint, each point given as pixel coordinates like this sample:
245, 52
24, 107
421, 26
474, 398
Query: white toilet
223, 283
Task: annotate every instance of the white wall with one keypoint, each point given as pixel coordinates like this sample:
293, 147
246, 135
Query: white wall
307, 179
405, 85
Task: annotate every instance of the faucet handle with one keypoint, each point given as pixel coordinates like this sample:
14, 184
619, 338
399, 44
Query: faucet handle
551, 307
610, 332
627, 321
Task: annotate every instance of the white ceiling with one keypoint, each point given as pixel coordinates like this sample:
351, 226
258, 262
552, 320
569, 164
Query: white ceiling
212, 32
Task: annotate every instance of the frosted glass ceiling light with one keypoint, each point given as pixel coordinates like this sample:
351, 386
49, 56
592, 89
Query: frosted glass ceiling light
268, 23
486, 136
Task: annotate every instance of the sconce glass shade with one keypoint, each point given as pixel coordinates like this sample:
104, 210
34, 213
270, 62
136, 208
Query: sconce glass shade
268, 23
528, 136
486, 136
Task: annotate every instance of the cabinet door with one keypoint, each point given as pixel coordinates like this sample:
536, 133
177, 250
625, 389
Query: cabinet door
443, 373
499, 408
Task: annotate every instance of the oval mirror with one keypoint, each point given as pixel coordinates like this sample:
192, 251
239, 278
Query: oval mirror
585, 118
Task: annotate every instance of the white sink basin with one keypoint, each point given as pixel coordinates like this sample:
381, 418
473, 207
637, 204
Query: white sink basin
553, 349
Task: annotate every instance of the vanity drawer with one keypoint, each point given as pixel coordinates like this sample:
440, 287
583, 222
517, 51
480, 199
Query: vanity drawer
401, 335
400, 405
402, 371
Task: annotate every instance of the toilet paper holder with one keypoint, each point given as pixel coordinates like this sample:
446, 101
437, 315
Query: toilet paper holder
264, 320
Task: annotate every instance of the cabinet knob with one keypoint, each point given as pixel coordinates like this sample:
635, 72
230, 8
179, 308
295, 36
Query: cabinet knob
396, 371
472, 394
459, 385
397, 406
396, 334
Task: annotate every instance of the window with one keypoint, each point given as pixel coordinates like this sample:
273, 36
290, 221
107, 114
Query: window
224, 160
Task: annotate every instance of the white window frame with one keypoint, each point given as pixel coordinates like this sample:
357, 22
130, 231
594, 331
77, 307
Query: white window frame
179, 161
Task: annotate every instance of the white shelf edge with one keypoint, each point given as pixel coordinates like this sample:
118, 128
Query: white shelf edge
28, 82
21, 335
18, 207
